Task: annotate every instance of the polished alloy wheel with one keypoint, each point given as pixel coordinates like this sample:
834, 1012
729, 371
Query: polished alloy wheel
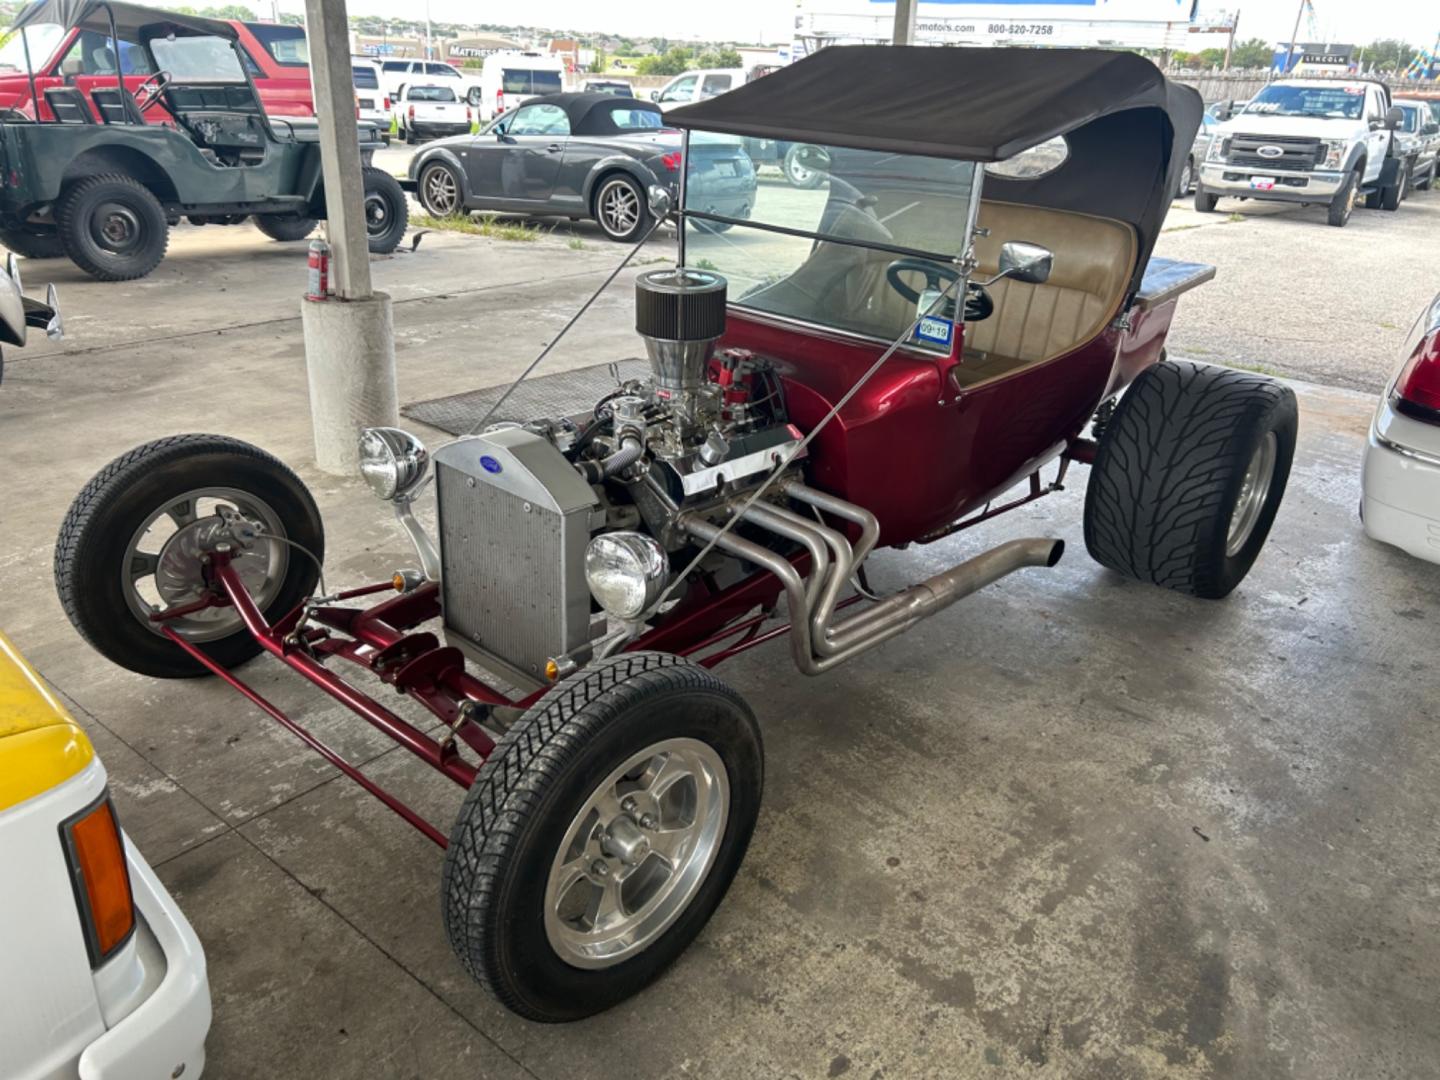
163, 567
619, 208
636, 853
1254, 490
440, 192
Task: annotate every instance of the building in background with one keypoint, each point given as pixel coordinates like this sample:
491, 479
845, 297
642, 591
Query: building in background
477, 47
374, 45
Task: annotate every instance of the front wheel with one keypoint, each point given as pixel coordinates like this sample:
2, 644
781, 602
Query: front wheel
112, 227
1342, 204
1392, 196
137, 537
387, 213
1189, 475
1205, 201
438, 189
601, 835
1187, 179
797, 173
284, 226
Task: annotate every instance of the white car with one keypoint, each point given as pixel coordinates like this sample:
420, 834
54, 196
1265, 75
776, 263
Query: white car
698, 86
430, 111
101, 976
371, 101
1401, 478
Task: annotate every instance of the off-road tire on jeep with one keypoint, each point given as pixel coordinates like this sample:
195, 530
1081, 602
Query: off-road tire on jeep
527, 796
135, 211
796, 174
106, 514
1171, 472
386, 230
1342, 203
1392, 196
33, 245
1205, 201
284, 226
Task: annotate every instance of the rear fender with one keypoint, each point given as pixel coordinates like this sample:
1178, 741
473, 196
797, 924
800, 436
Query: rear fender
617, 163
127, 160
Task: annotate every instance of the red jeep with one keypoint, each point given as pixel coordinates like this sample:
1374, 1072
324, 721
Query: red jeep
275, 56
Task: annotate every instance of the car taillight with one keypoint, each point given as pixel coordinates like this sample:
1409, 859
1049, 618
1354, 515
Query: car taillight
469, 116
1417, 391
671, 161
96, 855
499, 101
412, 112
385, 101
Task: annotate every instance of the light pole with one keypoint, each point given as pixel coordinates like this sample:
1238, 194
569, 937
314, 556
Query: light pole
1294, 37
1230, 44
904, 23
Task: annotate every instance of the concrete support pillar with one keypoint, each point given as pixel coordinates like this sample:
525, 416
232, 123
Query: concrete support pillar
350, 358
904, 23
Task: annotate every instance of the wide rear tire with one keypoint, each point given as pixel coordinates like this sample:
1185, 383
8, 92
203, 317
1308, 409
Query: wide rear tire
105, 566
387, 211
112, 227
1189, 475
574, 802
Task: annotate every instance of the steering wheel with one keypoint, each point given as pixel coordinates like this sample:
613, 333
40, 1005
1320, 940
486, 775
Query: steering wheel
978, 304
152, 88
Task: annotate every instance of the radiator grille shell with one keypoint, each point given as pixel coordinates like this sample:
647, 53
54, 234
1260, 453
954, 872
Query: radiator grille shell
514, 523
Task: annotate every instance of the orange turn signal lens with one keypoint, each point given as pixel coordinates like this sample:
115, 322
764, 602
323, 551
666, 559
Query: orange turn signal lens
101, 879
398, 582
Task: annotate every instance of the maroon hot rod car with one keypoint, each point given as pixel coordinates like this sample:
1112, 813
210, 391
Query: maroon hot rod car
873, 362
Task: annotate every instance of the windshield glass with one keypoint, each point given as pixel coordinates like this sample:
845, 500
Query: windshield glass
1411, 123
197, 59
432, 93
525, 81
1341, 102
825, 252
43, 39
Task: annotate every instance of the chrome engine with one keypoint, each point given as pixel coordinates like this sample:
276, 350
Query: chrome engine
520, 503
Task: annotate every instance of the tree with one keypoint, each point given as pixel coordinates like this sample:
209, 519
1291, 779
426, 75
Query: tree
674, 61
1387, 55
725, 57
600, 63
1255, 53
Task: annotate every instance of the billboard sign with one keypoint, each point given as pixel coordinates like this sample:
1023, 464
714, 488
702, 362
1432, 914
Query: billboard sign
1129, 23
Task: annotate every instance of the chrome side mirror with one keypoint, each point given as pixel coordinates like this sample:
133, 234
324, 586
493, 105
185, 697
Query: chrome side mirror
1026, 262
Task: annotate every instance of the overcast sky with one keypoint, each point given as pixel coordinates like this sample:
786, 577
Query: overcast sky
1359, 21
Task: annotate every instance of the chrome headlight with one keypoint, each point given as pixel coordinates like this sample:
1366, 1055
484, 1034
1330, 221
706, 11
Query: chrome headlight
393, 462
1335, 152
1217, 148
626, 572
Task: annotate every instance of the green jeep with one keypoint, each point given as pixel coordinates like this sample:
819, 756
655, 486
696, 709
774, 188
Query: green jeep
105, 191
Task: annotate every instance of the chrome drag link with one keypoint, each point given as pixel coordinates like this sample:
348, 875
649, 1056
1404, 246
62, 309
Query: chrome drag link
817, 643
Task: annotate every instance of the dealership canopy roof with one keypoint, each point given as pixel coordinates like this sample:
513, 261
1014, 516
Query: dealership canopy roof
1128, 128
131, 20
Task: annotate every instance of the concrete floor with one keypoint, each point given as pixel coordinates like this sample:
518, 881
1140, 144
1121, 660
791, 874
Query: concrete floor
1074, 827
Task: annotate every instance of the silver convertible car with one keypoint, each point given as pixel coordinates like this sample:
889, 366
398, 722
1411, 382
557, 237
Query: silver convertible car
581, 156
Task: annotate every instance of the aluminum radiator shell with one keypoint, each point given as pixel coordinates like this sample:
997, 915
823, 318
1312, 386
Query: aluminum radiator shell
514, 523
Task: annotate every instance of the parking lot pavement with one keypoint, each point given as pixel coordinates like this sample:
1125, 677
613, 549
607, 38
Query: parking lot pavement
1299, 298
1075, 824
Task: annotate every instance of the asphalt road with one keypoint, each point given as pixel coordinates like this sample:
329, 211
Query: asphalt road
1293, 296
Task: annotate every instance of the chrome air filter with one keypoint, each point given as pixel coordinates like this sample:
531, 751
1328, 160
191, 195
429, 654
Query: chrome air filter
679, 313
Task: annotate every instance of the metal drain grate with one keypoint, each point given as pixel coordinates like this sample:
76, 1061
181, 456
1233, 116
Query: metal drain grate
565, 393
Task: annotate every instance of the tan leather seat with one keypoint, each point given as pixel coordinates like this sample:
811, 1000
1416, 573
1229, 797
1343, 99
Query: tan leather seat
1034, 323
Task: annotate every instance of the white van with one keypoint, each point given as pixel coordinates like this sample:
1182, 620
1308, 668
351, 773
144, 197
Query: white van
512, 78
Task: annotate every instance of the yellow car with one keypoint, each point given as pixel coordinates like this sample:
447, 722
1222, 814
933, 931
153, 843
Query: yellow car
101, 976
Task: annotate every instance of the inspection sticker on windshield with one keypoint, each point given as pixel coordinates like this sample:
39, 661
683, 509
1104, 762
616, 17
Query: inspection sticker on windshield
936, 330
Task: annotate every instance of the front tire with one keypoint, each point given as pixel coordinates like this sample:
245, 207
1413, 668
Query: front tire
1342, 203
134, 538
796, 174
601, 835
112, 227
33, 245
1391, 197
439, 191
620, 209
1189, 475
387, 212
284, 227
1205, 201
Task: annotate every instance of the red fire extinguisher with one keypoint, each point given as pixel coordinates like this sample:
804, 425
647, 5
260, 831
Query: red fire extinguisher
319, 284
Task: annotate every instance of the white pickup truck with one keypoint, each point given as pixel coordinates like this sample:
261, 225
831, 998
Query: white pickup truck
1307, 141
423, 111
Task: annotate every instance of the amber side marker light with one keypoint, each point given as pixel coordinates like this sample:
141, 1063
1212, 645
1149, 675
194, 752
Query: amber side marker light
101, 879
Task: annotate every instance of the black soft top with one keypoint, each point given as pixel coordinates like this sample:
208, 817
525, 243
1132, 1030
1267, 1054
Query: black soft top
590, 113
131, 20
1129, 129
